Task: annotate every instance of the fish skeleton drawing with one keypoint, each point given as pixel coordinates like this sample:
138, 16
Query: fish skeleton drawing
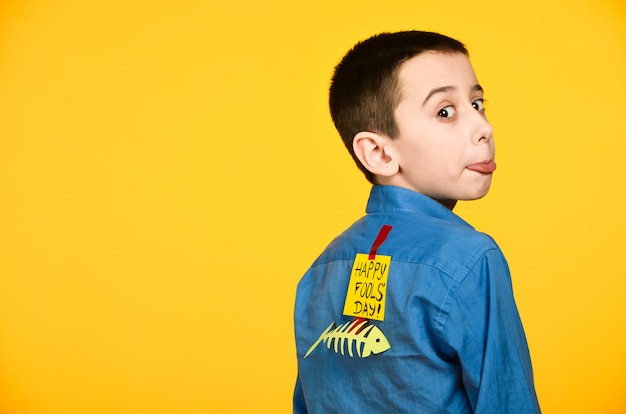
366, 338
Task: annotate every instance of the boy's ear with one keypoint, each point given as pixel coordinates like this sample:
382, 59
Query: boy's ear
375, 154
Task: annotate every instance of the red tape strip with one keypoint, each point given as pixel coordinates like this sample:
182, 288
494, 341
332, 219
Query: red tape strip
382, 235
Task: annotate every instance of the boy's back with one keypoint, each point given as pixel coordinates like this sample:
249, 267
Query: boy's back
447, 303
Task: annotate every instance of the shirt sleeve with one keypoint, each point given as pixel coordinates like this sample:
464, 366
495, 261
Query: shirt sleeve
485, 332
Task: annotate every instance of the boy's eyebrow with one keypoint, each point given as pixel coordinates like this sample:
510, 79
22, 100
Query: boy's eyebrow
475, 88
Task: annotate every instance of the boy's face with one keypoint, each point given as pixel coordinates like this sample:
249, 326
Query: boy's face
445, 145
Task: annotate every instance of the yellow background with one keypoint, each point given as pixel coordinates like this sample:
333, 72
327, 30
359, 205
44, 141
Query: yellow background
168, 170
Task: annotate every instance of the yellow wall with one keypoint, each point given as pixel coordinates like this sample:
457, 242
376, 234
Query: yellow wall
168, 170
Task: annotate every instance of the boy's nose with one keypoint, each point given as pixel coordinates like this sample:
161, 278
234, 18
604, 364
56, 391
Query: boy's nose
483, 131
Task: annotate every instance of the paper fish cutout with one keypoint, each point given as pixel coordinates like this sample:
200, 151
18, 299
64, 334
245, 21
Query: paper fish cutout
366, 338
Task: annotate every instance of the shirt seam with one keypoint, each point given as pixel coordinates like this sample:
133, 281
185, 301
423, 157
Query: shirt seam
444, 310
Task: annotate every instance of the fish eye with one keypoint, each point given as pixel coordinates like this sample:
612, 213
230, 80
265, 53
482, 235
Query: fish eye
479, 105
446, 112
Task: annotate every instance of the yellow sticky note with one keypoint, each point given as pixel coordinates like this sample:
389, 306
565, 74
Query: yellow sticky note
367, 290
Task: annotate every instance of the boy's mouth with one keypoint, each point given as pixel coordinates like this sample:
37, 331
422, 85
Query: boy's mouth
483, 167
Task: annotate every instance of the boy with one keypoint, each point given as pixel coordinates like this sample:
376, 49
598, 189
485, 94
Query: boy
411, 310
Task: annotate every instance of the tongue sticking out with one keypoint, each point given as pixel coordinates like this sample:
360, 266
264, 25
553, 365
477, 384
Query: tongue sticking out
483, 167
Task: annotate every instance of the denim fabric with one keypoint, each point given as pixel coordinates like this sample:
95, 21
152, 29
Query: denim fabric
457, 344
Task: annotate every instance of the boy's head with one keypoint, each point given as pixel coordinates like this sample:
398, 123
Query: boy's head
393, 92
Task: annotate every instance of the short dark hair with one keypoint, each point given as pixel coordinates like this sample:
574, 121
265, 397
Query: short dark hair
364, 91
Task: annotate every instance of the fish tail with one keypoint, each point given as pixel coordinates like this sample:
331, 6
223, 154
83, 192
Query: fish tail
320, 339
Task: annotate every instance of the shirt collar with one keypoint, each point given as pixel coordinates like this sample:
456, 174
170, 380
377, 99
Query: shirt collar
386, 199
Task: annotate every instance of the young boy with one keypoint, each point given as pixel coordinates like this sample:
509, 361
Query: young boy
411, 310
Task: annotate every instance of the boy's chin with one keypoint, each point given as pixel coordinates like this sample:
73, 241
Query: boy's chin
475, 196
450, 203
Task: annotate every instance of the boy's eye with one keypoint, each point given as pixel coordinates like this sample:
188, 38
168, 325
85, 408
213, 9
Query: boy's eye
446, 112
479, 105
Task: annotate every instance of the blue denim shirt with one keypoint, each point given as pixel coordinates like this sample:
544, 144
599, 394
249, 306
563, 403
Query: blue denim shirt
451, 340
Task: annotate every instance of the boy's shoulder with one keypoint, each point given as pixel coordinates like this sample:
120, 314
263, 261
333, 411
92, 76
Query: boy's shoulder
417, 236
422, 231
